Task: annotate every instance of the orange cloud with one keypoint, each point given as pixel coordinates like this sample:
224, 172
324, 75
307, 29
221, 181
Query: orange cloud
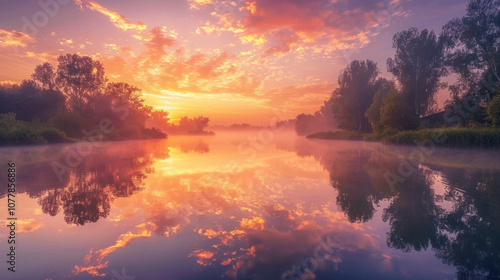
288, 25
117, 19
14, 38
28, 225
93, 262
204, 257
79, 3
196, 4
126, 50
66, 42
256, 223
43, 56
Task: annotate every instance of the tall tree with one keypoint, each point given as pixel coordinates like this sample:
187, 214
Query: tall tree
82, 79
125, 95
45, 75
418, 66
373, 112
475, 42
357, 85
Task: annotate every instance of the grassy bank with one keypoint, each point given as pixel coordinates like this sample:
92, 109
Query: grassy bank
340, 135
486, 138
16, 132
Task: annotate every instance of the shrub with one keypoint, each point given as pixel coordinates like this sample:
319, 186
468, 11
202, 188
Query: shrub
71, 124
396, 114
373, 112
494, 111
154, 133
454, 137
14, 132
54, 135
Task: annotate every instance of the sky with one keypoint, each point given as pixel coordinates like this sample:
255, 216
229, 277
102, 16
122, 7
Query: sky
233, 61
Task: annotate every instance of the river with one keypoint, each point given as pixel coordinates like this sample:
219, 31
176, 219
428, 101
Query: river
250, 205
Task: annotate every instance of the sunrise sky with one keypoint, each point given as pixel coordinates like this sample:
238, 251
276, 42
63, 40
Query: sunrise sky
233, 61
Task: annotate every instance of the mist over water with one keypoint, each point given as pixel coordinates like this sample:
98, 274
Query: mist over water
248, 205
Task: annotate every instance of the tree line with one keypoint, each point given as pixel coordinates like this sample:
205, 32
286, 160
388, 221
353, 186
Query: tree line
468, 47
58, 103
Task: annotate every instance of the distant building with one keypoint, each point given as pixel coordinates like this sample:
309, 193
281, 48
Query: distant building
435, 120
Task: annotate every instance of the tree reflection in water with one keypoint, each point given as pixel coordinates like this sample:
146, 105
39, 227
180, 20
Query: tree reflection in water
465, 235
87, 191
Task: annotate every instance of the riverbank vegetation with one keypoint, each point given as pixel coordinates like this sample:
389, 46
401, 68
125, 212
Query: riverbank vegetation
403, 110
74, 101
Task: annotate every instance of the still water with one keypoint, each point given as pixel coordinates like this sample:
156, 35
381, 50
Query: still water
232, 207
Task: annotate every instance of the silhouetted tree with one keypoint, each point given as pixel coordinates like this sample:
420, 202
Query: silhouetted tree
45, 75
130, 97
28, 101
474, 38
159, 119
474, 56
81, 78
322, 120
357, 86
305, 124
418, 67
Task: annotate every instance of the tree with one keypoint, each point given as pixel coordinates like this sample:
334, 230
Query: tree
305, 124
28, 87
476, 48
194, 125
82, 79
494, 111
396, 113
45, 75
418, 66
357, 85
322, 120
123, 95
28, 101
159, 119
373, 112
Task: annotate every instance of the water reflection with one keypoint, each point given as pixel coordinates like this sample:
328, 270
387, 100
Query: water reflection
464, 234
84, 192
196, 208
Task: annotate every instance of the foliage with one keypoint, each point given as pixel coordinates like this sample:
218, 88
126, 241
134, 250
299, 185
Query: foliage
418, 67
123, 95
323, 119
76, 98
396, 114
45, 75
54, 135
357, 86
494, 111
305, 124
159, 119
71, 124
194, 125
16, 132
340, 135
28, 101
154, 132
454, 137
475, 55
80, 78
373, 112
